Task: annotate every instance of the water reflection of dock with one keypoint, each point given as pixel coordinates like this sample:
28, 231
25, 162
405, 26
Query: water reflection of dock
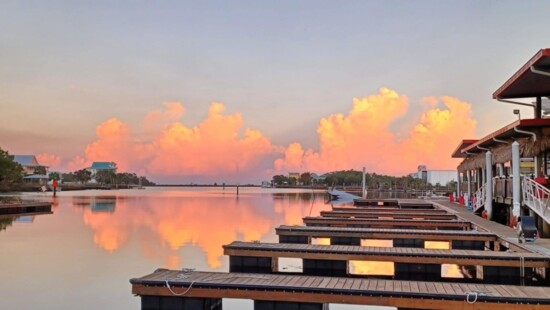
433, 256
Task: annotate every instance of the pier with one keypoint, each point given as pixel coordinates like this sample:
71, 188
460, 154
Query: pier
388, 215
204, 290
27, 207
386, 223
497, 272
304, 234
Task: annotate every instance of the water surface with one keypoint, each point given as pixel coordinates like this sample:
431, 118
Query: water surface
83, 255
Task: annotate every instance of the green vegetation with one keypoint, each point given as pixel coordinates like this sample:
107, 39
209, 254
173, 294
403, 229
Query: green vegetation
6, 222
106, 177
353, 178
10, 172
40, 170
83, 175
54, 176
130, 178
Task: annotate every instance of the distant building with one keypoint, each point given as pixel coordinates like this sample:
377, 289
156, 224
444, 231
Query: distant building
100, 165
295, 175
30, 164
434, 177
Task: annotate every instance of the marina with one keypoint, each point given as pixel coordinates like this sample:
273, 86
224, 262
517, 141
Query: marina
417, 280
274, 155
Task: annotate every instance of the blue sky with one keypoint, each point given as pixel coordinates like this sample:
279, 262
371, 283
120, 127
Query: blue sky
67, 66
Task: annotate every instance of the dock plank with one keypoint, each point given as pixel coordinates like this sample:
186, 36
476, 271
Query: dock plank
403, 255
365, 222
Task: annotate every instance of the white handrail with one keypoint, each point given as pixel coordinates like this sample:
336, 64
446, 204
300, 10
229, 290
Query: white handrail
536, 197
479, 197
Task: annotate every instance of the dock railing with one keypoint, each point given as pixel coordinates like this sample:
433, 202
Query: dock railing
536, 197
478, 199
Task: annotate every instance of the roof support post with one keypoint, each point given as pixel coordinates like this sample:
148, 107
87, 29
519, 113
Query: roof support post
489, 185
458, 194
516, 204
469, 178
538, 107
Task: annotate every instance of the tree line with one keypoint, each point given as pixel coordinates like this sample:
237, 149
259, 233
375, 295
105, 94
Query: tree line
353, 178
109, 177
11, 173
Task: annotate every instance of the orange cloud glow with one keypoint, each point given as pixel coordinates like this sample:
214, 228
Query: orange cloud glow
50, 160
219, 148
364, 138
212, 148
159, 119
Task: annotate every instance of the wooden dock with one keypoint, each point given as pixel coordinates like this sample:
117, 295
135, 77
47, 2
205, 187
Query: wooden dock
389, 215
29, 207
172, 287
381, 233
387, 254
400, 204
398, 223
493, 266
395, 210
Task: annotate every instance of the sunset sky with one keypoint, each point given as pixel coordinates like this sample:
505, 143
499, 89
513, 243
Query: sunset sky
237, 91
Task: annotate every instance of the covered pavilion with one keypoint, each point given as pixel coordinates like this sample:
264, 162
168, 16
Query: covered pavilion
492, 166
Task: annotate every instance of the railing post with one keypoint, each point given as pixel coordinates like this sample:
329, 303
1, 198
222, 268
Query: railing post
489, 185
458, 185
469, 176
516, 182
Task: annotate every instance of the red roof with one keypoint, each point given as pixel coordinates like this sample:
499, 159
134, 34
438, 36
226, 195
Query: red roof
526, 83
507, 133
458, 151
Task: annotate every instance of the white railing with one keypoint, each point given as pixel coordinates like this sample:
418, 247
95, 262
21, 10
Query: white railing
536, 197
478, 199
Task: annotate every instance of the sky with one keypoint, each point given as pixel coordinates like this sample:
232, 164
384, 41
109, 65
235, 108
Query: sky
238, 91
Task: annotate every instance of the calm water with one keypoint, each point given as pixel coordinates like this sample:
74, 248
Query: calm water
83, 255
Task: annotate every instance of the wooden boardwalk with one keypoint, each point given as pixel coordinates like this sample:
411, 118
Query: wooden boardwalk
389, 214
381, 233
375, 210
386, 254
29, 207
404, 294
399, 223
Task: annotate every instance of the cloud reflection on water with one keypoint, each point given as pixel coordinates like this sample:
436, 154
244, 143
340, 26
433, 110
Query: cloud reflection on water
164, 225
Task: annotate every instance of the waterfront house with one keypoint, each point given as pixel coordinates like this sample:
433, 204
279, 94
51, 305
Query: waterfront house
30, 165
101, 166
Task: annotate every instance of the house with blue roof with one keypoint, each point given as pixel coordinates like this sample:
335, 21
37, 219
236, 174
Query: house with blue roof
30, 164
101, 165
